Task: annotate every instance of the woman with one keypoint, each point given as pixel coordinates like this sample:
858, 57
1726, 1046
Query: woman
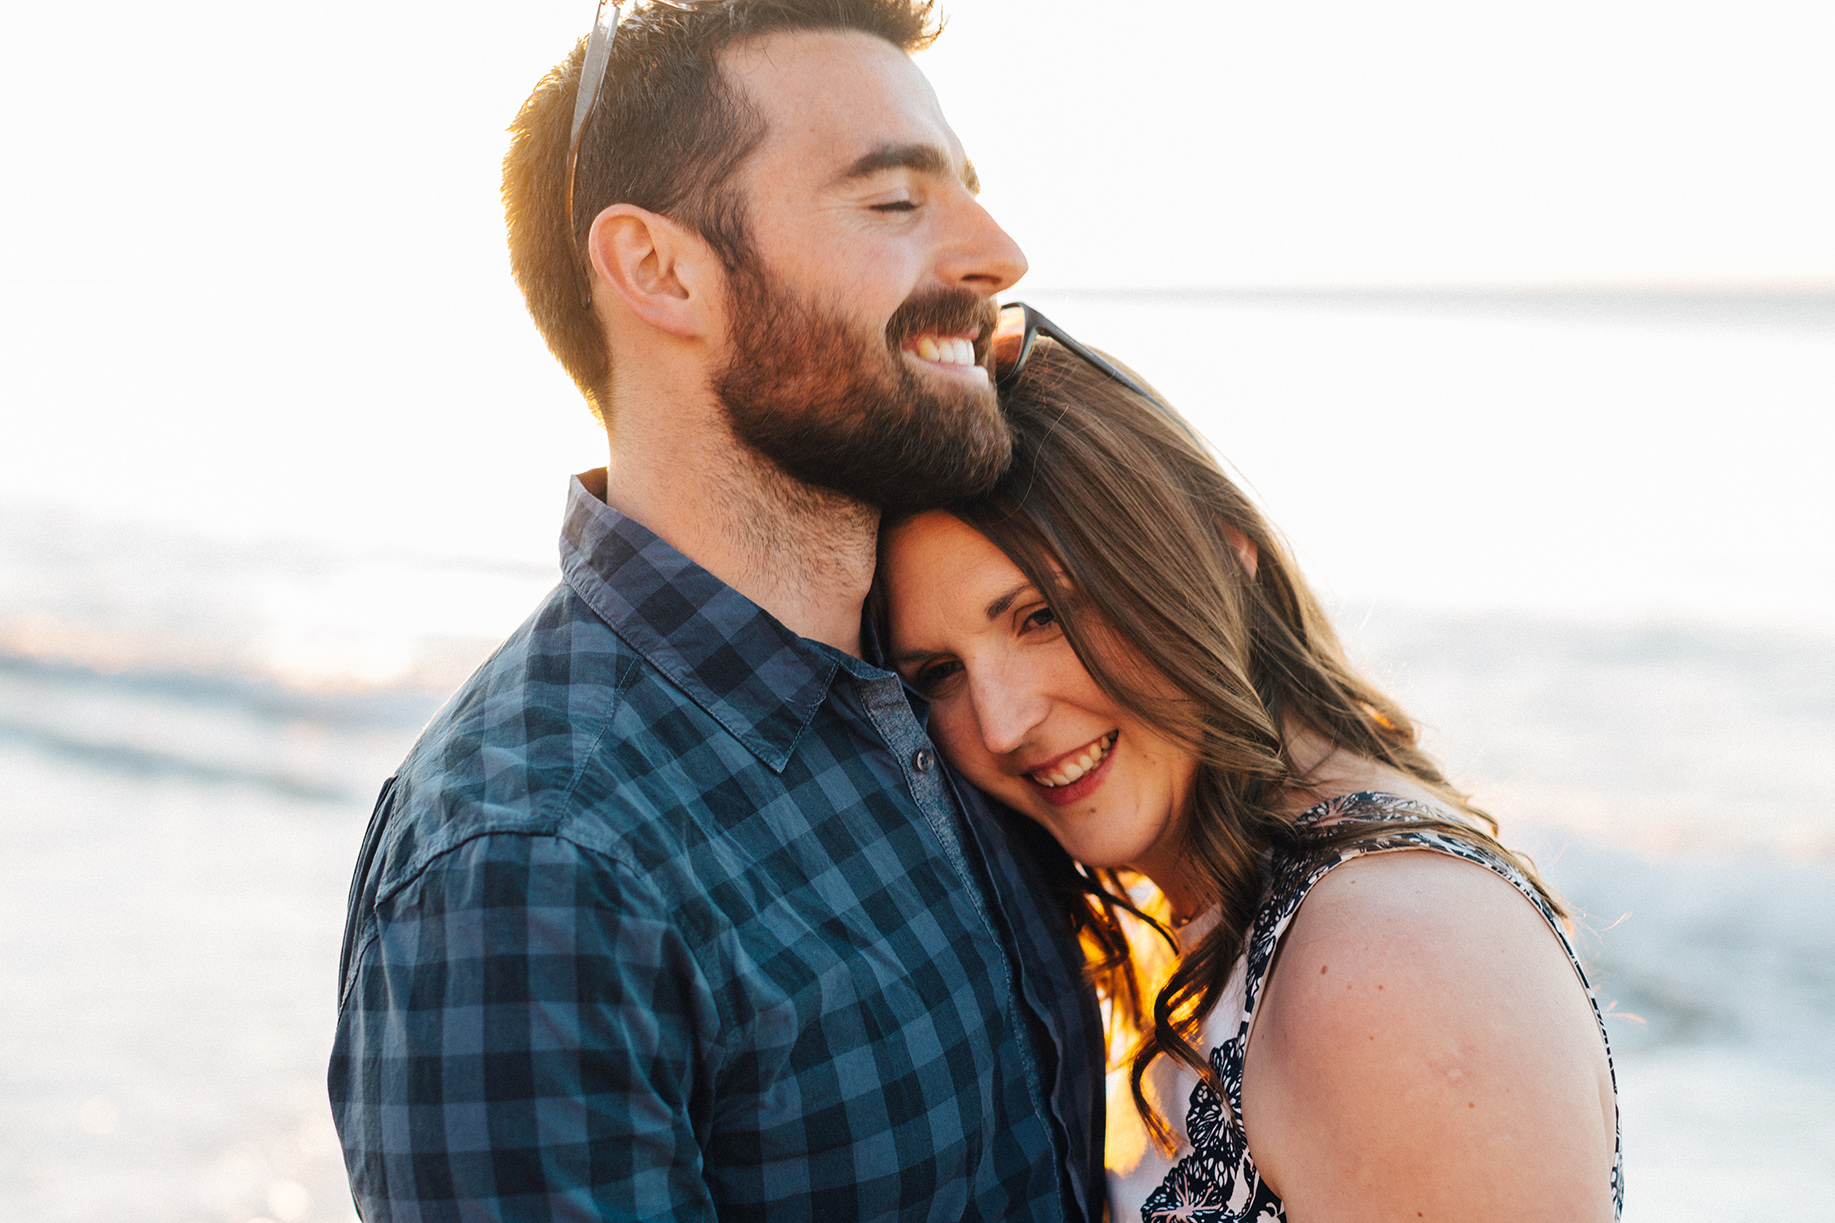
1115, 644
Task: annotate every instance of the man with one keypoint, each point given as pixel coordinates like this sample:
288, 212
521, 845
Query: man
673, 912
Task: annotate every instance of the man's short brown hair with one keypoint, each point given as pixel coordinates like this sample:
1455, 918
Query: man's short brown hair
667, 134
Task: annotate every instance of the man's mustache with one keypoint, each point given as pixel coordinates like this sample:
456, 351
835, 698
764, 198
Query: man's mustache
946, 312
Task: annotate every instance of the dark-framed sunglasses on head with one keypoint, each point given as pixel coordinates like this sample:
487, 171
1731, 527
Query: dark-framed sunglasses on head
1017, 335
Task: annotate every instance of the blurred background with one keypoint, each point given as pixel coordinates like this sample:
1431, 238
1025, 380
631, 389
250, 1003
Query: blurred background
1519, 319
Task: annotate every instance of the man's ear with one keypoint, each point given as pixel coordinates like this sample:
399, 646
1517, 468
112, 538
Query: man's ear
661, 271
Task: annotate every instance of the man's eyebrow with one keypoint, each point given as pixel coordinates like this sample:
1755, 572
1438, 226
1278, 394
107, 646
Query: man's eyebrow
922, 158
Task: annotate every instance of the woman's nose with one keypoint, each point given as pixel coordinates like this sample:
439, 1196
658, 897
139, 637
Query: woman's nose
1007, 710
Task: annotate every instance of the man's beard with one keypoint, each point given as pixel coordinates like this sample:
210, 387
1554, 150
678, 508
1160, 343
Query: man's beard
842, 410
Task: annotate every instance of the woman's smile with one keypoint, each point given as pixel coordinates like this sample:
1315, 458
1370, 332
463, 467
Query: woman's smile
1076, 773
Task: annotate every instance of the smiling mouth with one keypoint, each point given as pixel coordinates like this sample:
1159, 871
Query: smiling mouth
1076, 765
956, 352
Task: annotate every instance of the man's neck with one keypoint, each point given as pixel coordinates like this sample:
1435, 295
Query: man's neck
804, 554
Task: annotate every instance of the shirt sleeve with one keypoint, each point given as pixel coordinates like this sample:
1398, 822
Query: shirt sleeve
527, 1037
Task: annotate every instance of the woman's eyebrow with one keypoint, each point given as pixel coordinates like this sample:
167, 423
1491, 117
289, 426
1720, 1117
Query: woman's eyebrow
900, 661
999, 606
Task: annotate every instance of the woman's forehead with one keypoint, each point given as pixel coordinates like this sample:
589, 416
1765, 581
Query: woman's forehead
939, 542
937, 566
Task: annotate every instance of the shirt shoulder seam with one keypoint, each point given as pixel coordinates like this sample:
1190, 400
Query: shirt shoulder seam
553, 833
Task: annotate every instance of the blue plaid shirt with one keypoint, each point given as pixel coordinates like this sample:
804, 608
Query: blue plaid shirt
672, 913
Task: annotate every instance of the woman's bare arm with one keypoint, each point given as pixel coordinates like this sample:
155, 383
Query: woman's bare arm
1424, 1051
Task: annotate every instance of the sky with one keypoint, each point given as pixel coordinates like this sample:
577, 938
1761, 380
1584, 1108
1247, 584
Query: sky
253, 281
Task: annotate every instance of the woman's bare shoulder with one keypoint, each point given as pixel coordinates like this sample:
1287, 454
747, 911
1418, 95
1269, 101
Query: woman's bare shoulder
1413, 889
1423, 1034
1405, 941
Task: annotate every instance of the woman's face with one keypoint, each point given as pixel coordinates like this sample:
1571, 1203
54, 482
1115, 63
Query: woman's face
1014, 709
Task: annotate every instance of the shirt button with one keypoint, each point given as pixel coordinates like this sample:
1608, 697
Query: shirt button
923, 760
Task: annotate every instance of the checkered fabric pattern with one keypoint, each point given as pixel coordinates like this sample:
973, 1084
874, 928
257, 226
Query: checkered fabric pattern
674, 914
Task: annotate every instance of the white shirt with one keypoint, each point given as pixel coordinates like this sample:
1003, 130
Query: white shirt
1135, 1165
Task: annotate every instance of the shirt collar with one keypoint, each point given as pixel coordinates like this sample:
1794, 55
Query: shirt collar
731, 657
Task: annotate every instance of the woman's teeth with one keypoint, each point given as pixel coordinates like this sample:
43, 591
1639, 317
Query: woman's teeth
946, 350
1070, 770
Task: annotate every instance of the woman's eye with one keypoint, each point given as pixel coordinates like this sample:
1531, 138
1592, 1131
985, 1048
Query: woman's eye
897, 206
933, 678
1043, 618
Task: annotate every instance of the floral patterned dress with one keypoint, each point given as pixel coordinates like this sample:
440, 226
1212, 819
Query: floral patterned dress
1215, 1180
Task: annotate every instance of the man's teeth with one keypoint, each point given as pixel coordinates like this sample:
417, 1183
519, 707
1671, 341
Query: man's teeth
946, 350
1070, 770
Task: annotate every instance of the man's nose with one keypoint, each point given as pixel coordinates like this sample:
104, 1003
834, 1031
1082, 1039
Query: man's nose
1007, 710
980, 255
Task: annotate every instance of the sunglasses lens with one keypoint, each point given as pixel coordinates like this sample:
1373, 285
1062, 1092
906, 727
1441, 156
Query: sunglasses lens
1009, 340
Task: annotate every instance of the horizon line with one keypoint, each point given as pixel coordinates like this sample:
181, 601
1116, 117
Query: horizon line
1796, 288
1790, 304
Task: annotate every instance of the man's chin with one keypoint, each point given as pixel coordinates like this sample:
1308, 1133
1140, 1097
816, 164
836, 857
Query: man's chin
907, 466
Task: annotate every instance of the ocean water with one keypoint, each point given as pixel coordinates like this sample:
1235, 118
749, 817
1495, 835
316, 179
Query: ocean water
182, 812
193, 727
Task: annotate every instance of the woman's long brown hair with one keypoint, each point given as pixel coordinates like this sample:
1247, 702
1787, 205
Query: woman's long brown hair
1120, 516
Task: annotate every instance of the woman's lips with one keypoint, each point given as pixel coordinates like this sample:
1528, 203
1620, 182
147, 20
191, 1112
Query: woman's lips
1065, 795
